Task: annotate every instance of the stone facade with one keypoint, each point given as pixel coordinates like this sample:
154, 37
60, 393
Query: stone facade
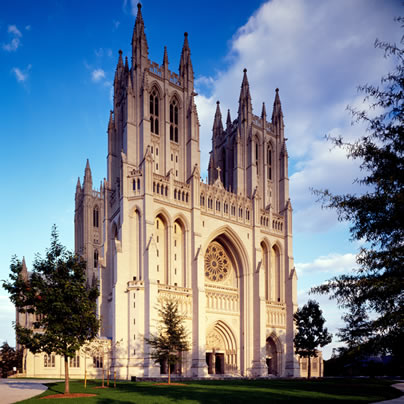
222, 249
155, 231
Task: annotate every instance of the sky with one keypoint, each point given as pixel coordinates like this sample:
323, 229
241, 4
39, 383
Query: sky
57, 64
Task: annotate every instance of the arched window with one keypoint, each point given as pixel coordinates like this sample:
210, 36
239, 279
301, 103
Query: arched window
95, 258
269, 162
154, 112
256, 154
174, 121
95, 216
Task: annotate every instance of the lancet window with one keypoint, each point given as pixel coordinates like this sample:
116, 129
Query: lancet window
154, 112
96, 217
269, 162
174, 121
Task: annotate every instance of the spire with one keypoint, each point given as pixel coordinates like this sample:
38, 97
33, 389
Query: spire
245, 106
24, 271
228, 120
245, 87
119, 68
264, 112
277, 111
140, 49
88, 181
165, 57
186, 70
78, 185
217, 124
120, 60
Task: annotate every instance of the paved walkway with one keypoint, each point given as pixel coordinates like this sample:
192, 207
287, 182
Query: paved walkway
13, 390
399, 400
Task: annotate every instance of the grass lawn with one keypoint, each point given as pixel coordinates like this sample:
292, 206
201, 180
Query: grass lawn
229, 392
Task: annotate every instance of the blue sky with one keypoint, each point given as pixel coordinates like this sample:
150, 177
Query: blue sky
57, 62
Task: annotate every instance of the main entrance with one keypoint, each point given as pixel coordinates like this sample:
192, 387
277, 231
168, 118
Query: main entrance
215, 362
221, 352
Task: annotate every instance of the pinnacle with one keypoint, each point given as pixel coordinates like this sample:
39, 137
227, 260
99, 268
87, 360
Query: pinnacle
165, 57
228, 120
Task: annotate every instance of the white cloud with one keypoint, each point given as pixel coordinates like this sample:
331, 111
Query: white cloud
97, 75
28, 27
116, 24
21, 75
100, 52
15, 40
317, 53
330, 264
12, 29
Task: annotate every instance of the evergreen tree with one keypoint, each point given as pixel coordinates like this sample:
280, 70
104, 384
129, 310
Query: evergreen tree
171, 339
63, 305
311, 333
377, 218
9, 359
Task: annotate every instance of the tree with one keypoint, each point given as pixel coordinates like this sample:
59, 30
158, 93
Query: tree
376, 216
63, 304
9, 359
311, 333
171, 339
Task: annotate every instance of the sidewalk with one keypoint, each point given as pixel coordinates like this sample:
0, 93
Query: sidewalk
399, 400
13, 390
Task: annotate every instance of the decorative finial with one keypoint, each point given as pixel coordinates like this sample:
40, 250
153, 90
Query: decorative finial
217, 102
185, 34
120, 52
277, 90
139, 6
245, 70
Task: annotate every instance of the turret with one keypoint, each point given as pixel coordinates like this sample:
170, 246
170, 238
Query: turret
186, 71
140, 49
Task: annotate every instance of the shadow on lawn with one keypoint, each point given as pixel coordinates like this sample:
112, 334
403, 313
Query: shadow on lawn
231, 391
251, 391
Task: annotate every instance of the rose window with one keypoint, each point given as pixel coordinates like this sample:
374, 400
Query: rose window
217, 263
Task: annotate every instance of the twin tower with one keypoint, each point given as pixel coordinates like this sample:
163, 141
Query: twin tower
155, 232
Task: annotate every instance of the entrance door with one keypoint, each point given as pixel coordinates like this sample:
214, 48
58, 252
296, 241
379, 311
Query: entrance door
219, 364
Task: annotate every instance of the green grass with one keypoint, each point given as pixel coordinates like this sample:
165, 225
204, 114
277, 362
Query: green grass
229, 392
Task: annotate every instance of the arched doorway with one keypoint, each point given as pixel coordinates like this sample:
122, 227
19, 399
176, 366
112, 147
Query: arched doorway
272, 356
224, 261
221, 350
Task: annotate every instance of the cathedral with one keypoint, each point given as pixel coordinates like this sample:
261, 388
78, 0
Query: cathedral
154, 231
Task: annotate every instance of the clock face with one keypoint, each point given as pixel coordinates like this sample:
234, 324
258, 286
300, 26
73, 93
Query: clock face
217, 263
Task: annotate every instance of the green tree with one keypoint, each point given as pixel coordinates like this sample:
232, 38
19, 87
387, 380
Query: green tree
311, 333
9, 359
376, 216
171, 339
63, 304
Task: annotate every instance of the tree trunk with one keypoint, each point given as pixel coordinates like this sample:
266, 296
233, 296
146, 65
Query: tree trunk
67, 387
309, 368
169, 373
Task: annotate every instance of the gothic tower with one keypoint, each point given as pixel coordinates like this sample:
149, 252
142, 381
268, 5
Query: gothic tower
221, 250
